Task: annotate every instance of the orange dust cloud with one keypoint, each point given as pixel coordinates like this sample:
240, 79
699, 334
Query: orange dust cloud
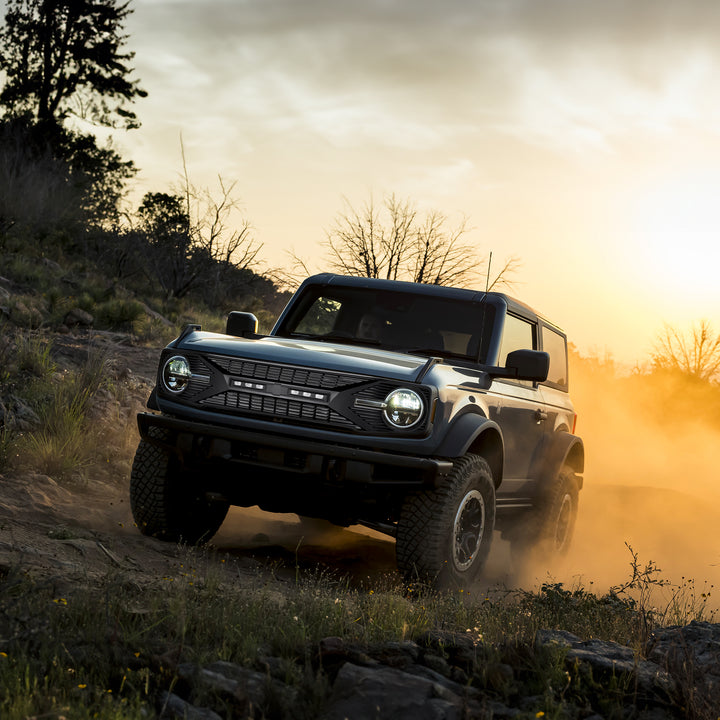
651, 479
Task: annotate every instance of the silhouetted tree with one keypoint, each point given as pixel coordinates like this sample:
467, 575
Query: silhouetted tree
166, 224
696, 353
222, 238
193, 245
64, 57
396, 243
54, 176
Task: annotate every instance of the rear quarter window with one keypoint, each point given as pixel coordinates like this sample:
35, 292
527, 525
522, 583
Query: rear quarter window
555, 345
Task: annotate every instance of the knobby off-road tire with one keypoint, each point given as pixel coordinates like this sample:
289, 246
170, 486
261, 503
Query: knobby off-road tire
548, 532
166, 503
444, 535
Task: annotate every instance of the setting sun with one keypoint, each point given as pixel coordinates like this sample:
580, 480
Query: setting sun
677, 226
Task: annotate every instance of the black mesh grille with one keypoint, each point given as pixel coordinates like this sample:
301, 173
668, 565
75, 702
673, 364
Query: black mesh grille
202, 381
278, 407
305, 377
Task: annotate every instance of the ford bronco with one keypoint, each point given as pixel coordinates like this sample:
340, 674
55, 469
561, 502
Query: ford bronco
433, 414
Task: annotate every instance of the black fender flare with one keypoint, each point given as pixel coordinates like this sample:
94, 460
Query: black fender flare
564, 449
472, 432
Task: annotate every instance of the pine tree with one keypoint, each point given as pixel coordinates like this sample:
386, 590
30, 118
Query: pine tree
65, 57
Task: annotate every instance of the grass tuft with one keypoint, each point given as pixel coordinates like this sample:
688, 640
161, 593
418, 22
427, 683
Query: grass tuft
111, 650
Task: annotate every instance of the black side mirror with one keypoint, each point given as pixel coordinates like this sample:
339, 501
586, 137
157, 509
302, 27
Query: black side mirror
529, 364
241, 324
523, 365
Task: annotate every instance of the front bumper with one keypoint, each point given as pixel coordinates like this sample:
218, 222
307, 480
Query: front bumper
198, 443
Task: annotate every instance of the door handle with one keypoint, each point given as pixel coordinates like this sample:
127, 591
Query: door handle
540, 415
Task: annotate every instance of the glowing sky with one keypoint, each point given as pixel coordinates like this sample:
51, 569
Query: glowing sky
581, 136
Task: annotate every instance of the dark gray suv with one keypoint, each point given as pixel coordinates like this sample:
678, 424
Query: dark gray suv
432, 414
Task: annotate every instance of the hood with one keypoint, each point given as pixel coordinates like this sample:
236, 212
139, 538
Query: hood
308, 353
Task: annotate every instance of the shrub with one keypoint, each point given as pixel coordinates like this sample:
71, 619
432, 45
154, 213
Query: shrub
118, 314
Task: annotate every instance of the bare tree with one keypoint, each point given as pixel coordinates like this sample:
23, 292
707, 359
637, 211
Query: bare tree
220, 233
198, 241
396, 243
695, 353
360, 244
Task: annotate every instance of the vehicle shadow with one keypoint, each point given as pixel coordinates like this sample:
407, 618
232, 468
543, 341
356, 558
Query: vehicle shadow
357, 556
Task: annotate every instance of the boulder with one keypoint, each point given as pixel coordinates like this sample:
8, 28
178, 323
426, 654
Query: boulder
691, 654
172, 706
608, 660
78, 317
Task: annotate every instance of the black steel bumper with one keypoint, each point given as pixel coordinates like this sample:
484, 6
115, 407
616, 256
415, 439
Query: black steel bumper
197, 443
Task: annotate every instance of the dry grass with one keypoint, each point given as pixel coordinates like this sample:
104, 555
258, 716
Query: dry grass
106, 651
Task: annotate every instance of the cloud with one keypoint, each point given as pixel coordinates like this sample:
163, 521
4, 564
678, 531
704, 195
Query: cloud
562, 73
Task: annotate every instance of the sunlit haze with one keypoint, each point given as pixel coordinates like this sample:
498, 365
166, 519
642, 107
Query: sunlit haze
583, 138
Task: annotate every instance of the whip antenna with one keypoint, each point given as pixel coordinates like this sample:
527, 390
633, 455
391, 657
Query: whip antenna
483, 302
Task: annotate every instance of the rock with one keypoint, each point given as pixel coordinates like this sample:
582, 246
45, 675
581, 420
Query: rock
252, 691
461, 650
395, 654
560, 638
23, 416
24, 316
157, 316
52, 265
437, 664
607, 660
446, 641
172, 706
78, 316
361, 692
333, 652
691, 654
420, 681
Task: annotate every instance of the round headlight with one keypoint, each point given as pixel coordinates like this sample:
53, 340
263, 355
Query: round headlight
403, 408
176, 374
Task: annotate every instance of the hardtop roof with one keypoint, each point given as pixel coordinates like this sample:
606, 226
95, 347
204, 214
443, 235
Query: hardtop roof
513, 305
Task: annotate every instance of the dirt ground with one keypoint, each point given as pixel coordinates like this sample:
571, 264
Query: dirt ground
83, 534
76, 533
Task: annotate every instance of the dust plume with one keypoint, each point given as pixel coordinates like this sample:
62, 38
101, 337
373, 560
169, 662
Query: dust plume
652, 445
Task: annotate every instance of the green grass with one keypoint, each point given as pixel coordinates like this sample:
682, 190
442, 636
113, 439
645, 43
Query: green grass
107, 650
63, 441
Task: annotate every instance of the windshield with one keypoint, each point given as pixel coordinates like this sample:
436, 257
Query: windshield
421, 324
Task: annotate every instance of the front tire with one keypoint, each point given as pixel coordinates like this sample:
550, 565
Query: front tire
168, 503
444, 535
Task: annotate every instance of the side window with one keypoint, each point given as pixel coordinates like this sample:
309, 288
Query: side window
518, 334
555, 346
320, 317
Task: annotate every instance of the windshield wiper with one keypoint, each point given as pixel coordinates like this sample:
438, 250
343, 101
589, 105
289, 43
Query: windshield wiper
341, 337
434, 352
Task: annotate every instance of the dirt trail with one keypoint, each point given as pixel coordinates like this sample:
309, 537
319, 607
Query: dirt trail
85, 533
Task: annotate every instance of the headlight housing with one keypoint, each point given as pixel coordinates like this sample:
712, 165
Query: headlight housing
403, 408
176, 374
